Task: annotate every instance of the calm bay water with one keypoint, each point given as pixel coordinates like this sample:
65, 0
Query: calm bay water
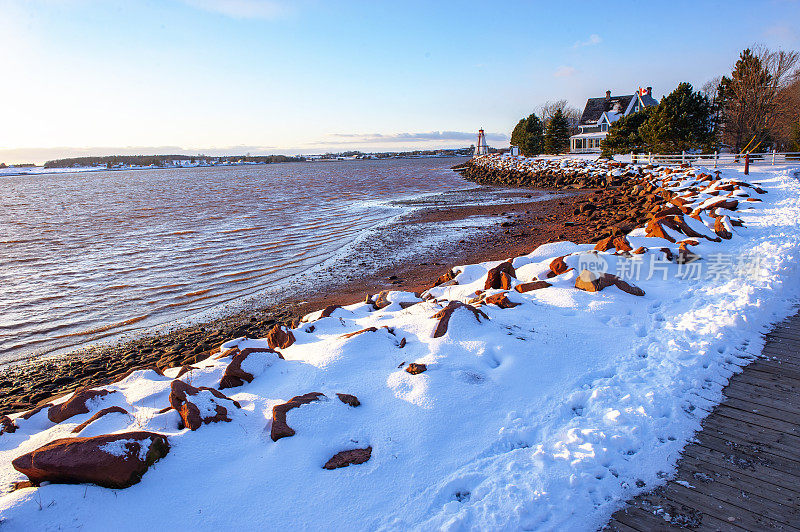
90, 255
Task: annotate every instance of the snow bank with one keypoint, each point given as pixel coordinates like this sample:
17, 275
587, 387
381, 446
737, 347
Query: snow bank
546, 416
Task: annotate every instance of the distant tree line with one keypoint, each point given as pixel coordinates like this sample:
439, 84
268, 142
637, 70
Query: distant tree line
757, 107
165, 160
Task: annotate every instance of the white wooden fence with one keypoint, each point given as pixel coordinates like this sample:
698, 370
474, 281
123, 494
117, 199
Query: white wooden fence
717, 159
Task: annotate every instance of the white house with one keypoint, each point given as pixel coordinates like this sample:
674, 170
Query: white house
600, 113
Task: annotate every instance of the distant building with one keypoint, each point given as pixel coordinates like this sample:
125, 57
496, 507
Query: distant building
600, 113
481, 148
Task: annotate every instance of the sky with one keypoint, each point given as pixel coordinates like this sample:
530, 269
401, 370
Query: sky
94, 77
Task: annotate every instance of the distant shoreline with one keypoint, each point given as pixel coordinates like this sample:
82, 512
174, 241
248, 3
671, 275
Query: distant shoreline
12, 171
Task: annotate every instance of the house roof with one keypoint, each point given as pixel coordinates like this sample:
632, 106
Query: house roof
647, 100
595, 107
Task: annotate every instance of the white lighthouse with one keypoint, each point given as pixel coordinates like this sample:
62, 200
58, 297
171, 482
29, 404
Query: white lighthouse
481, 148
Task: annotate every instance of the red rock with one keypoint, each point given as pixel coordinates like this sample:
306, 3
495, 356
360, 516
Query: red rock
416, 368
449, 276
557, 267
180, 399
234, 374
720, 229
591, 282
402, 343
327, 311
280, 337
280, 429
346, 458
620, 243
84, 460
501, 300
534, 285
445, 313
724, 203
640, 250
500, 276
653, 229
98, 415
350, 400
30, 413
74, 405
7, 425
356, 333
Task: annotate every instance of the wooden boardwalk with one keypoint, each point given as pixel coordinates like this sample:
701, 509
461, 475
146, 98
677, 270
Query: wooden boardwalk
743, 471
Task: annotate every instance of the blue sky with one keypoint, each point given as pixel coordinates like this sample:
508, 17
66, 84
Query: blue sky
308, 76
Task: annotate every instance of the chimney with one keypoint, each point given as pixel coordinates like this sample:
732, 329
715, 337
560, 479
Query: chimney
649, 91
608, 95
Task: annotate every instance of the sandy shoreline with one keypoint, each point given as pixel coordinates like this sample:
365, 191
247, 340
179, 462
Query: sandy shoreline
521, 225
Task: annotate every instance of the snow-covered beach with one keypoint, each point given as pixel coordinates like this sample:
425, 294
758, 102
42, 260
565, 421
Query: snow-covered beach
549, 400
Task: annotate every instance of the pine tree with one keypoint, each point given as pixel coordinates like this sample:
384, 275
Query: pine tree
795, 136
624, 135
556, 139
527, 135
682, 121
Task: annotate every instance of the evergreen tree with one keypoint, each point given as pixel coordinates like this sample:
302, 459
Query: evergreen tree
682, 121
795, 136
744, 105
528, 136
556, 139
624, 135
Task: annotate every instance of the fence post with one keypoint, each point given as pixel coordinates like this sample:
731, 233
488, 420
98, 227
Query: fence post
746, 164
773, 156
716, 157
683, 157
650, 158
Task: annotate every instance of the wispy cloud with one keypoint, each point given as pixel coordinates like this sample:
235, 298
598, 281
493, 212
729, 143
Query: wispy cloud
242, 9
564, 71
431, 136
593, 40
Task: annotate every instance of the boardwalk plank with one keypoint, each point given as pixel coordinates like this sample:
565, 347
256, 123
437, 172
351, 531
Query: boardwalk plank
711, 470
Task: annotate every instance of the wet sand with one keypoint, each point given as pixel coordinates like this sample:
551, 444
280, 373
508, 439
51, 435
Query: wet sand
513, 229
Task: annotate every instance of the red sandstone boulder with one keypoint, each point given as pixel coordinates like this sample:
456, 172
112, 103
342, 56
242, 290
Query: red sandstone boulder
557, 267
327, 311
591, 282
280, 429
345, 458
501, 300
198, 406
234, 374
720, 229
103, 412
654, 229
280, 337
500, 276
350, 400
7, 425
112, 461
534, 285
449, 276
75, 405
620, 243
416, 368
445, 313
